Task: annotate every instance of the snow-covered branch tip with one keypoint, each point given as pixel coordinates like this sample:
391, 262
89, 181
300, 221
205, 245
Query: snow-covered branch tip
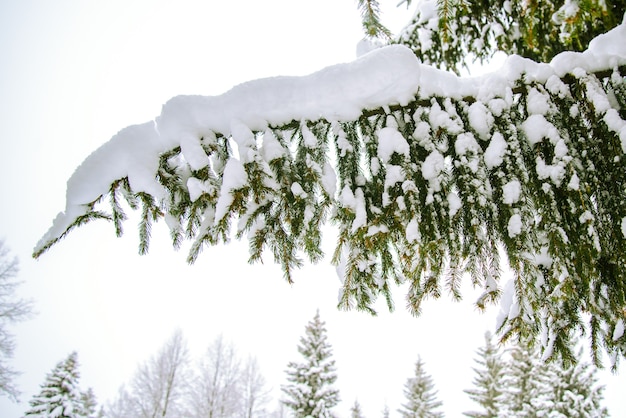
427, 176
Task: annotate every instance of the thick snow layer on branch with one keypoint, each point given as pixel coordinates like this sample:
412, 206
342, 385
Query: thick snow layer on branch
381, 78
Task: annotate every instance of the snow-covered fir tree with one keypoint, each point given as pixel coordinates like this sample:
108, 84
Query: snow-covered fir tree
490, 374
421, 396
575, 391
386, 411
310, 391
90, 404
426, 175
535, 388
355, 410
528, 386
60, 395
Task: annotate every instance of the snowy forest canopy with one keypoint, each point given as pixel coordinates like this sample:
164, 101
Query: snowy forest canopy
426, 175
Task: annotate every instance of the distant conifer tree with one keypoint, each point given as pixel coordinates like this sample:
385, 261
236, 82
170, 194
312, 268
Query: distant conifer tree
421, 395
576, 392
488, 381
355, 410
310, 391
60, 395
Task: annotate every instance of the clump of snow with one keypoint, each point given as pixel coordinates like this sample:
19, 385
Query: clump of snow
515, 225
193, 152
394, 175
574, 183
585, 217
619, 330
432, 166
537, 103
376, 229
480, 119
617, 125
466, 144
624, 226
543, 258
509, 305
329, 180
298, 191
129, 153
412, 231
356, 202
346, 198
245, 140
555, 172
195, 187
234, 178
497, 106
271, 149
511, 192
536, 128
391, 141
422, 130
440, 118
360, 218
454, 203
557, 87
494, 154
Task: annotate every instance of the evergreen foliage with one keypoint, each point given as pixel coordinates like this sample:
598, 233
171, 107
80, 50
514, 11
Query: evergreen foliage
60, 395
310, 391
488, 382
542, 152
421, 395
370, 14
451, 34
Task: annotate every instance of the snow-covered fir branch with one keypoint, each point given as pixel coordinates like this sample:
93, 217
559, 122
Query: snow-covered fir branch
426, 175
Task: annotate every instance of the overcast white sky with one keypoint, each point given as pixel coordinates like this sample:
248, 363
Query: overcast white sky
73, 73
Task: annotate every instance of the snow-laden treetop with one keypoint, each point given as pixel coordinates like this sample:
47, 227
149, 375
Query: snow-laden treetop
431, 174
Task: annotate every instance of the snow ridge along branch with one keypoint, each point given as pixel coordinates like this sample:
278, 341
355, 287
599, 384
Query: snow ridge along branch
426, 175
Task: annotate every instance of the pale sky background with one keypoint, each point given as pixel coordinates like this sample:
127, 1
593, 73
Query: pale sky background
73, 73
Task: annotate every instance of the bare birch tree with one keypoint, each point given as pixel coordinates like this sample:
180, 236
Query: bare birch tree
11, 310
214, 392
254, 391
159, 386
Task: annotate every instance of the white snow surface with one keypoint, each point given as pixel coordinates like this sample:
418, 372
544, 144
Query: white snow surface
382, 77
